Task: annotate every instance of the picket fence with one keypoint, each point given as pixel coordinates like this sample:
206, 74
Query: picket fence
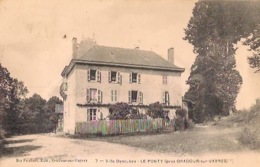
109, 127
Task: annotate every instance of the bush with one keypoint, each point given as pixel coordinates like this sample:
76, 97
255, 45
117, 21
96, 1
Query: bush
155, 110
182, 122
250, 137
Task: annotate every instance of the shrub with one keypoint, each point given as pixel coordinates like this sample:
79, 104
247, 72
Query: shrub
250, 137
182, 122
155, 110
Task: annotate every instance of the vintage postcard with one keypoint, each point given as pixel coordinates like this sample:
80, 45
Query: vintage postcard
129, 83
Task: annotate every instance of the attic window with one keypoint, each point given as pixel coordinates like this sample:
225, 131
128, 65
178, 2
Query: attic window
111, 53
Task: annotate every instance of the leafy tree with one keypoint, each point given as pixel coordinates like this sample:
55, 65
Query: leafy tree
213, 29
51, 116
12, 92
155, 110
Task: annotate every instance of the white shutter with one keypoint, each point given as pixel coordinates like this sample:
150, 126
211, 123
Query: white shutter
112, 95
88, 95
99, 96
118, 77
129, 96
139, 96
163, 98
109, 76
130, 78
98, 76
88, 74
139, 78
115, 95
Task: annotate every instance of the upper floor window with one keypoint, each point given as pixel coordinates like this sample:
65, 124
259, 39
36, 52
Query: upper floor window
114, 95
135, 78
94, 95
135, 96
92, 114
166, 98
94, 75
165, 79
114, 77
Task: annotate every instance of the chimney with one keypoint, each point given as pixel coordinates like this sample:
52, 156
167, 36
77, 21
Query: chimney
171, 55
74, 48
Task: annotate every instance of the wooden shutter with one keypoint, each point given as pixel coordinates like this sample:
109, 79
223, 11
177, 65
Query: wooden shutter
88, 114
109, 76
139, 78
140, 97
118, 77
129, 96
99, 96
115, 95
112, 95
168, 98
130, 78
88, 95
98, 76
163, 98
88, 74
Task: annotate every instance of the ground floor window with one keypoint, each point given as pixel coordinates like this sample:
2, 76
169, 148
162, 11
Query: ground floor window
92, 114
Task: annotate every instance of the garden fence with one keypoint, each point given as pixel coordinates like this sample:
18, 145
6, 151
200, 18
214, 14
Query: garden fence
109, 127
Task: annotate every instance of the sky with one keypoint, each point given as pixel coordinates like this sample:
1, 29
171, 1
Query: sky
34, 51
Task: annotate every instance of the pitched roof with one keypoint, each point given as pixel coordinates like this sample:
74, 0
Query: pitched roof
115, 55
123, 57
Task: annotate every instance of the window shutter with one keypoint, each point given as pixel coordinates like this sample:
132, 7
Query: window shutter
115, 95
168, 98
99, 96
163, 97
139, 78
88, 74
109, 76
129, 96
118, 77
142, 97
98, 76
130, 78
88, 114
88, 95
112, 96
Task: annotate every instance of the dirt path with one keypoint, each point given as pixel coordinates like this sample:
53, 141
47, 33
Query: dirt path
49, 150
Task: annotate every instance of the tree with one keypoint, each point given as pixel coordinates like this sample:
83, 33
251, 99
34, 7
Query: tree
155, 110
12, 92
51, 117
213, 29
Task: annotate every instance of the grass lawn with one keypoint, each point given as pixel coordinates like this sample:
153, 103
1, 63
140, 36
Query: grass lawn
199, 140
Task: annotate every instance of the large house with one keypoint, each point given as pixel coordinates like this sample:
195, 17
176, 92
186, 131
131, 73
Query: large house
99, 76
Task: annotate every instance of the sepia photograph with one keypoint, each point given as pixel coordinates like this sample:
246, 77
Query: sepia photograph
130, 83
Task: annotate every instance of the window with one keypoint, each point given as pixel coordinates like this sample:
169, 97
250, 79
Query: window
94, 95
94, 75
164, 79
135, 96
114, 77
166, 98
135, 78
92, 114
113, 95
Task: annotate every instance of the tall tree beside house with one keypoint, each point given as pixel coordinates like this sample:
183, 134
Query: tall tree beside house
213, 29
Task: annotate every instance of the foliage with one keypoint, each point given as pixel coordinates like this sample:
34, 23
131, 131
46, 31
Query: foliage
12, 92
123, 110
213, 29
155, 110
